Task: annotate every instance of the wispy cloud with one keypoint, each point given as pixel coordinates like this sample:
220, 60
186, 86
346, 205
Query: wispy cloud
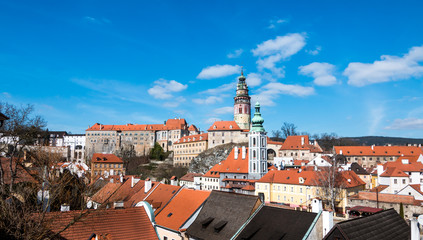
218, 71
208, 100
235, 54
163, 88
321, 72
175, 102
274, 23
221, 89
389, 68
408, 123
224, 110
376, 115
315, 51
273, 51
271, 91
96, 20
254, 79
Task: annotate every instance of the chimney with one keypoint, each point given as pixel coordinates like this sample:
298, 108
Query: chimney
65, 207
121, 178
118, 204
415, 232
173, 181
236, 153
164, 123
132, 181
316, 205
373, 147
147, 185
302, 140
340, 152
327, 222
243, 152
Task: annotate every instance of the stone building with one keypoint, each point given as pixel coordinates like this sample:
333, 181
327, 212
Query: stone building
242, 105
188, 147
222, 132
300, 148
76, 145
106, 165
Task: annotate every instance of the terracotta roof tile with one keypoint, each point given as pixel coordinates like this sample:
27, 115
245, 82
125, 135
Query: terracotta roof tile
181, 208
105, 192
161, 195
224, 126
393, 172
105, 158
378, 150
171, 124
270, 141
189, 177
140, 195
385, 197
193, 138
295, 143
193, 128
22, 175
128, 224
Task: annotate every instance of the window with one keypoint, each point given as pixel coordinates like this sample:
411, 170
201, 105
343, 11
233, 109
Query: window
403, 181
292, 189
395, 181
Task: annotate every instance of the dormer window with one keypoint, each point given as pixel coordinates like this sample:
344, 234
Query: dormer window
230, 126
214, 127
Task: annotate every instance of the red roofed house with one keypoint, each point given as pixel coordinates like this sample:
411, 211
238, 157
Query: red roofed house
300, 147
370, 156
191, 180
222, 132
296, 188
188, 147
173, 220
193, 130
132, 223
108, 138
106, 165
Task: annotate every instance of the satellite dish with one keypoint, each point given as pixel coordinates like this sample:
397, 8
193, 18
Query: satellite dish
420, 219
89, 204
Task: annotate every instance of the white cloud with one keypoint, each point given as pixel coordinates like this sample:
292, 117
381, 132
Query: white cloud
208, 100
163, 88
315, 51
235, 54
408, 123
253, 79
224, 110
286, 46
389, 68
221, 89
175, 102
321, 72
274, 23
270, 63
272, 90
218, 71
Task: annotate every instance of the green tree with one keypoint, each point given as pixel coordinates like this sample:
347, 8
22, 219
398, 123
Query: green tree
157, 152
401, 210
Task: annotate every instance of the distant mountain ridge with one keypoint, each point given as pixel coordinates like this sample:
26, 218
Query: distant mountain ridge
381, 141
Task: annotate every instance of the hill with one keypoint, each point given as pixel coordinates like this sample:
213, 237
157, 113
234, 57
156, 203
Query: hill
380, 141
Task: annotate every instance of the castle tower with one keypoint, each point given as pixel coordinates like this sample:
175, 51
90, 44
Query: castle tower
242, 106
257, 159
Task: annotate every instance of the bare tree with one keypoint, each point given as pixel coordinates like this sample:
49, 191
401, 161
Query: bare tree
289, 129
331, 184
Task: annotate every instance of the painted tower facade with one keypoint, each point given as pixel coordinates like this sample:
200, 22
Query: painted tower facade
257, 162
242, 105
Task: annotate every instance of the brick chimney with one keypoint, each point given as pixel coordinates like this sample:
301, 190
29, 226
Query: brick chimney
236, 153
147, 185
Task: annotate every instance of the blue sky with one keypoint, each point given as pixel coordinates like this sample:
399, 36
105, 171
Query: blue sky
349, 67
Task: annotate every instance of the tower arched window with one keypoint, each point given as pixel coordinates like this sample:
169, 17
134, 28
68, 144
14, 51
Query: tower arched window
254, 141
254, 167
240, 110
254, 153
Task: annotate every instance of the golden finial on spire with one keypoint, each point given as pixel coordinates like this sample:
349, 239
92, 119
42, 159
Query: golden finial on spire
242, 70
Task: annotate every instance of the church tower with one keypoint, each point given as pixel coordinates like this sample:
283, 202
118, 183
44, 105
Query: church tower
257, 157
242, 106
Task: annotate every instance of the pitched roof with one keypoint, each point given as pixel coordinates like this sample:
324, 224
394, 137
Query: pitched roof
192, 138
270, 141
181, 208
193, 128
359, 170
379, 188
232, 165
384, 197
378, 150
189, 177
296, 143
140, 195
106, 192
130, 223
222, 215
347, 179
386, 224
224, 126
126, 190
214, 171
171, 124
277, 223
406, 164
105, 158
22, 175
393, 172
161, 195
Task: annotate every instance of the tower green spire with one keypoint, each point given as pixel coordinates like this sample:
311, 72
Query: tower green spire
257, 120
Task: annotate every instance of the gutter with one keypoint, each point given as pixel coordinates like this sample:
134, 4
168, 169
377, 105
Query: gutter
313, 224
247, 222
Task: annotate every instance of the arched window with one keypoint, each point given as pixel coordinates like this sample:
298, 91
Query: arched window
254, 141
254, 153
254, 167
240, 110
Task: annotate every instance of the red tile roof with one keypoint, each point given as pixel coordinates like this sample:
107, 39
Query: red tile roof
189, 177
295, 143
214, 172
193, 138
193, 128
105, 158
126, 190
378, 150
411, 166
181, 208
379, 188
140, 195
171, 124
128, 224
417, 188
393, 172
385, 197
105, 192
161, 195
224, 126
270, 141
22, 175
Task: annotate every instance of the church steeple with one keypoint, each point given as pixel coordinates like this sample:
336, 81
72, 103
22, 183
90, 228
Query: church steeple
242, 105
257, 166
257, 120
